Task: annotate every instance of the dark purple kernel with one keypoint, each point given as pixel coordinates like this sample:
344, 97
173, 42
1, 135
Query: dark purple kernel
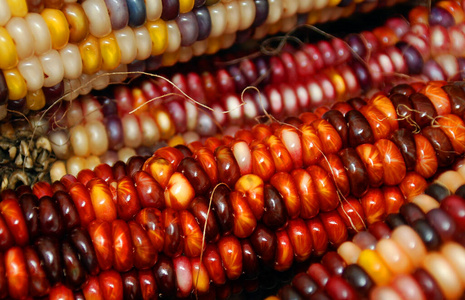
39, 285
428, 285
50, 257
53, 93
358, 176
264, 243
250, 261
223, 209
114, 129
442, 223
427, 234
358, 279
262, 10
380, 230
304, 285
145, 151
119, 170
131, 286
261, 63
170, 9
109, 107
75, 274
412, 57
29, 206
134, 165
177, 112
165, 276
79, 296
50, 219
362, 74
68, 211
410, 212
437, 191
395, 220
204, 22
23, 189
359, 129
275, 214
153, 62
17, 105
239, 78
82, 242
289, 293
440, 16
334, 263
358, 46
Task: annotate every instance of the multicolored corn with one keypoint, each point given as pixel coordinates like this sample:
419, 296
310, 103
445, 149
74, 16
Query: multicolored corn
417, 253
281, 192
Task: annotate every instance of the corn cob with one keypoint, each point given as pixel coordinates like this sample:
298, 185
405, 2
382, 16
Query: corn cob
114, 230
333, 117
97, 50
395, 261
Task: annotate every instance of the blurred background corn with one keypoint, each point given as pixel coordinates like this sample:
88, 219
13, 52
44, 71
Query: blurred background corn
69, 45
